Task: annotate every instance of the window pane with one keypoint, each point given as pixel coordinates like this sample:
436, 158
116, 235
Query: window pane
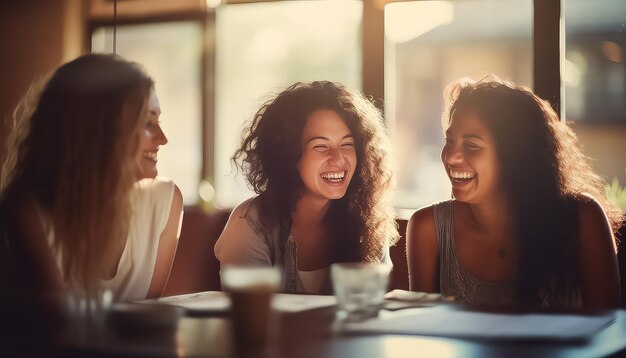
171, 54
428, 44
263, 48
594, 72
594, 75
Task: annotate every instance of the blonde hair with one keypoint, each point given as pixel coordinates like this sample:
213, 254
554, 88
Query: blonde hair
73, 149
18, 129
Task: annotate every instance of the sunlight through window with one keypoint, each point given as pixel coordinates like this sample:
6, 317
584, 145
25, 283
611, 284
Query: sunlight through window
428, 44
263, 48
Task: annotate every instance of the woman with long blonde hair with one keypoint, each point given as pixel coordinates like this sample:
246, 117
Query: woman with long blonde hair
67, 181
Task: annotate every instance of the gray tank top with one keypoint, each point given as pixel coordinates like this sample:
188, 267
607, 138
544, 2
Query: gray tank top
454, 279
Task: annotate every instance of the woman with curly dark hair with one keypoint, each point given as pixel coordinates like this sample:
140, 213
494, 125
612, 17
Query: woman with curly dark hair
317, 155
529, 225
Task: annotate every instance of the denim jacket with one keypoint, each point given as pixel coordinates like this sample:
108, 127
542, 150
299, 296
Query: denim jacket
246, 241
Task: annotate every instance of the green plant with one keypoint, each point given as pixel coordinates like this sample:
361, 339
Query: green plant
617, 194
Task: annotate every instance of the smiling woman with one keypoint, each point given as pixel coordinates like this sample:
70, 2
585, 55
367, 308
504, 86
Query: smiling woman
328, 156
150, 139
155, 221
469, 158
75, 215
68, 176
318, 156
529, 224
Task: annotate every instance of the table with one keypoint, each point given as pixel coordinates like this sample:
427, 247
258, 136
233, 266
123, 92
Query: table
304, 334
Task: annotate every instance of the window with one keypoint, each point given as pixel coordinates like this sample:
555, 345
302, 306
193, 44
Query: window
171, 54
257, 48
261, 49
428, 44
594, 76
594, 72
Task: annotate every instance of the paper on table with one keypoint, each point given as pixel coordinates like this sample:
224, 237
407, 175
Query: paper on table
298, 303
216, 301
402, 299
446, 322
209, 301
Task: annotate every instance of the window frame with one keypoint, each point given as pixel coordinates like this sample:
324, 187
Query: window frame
206, 20
547, 55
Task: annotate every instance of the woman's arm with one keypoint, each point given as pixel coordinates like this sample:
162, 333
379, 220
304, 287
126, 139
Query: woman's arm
167, 246
599, 273
422, 251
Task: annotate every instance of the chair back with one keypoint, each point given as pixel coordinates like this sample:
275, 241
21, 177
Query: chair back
195, 267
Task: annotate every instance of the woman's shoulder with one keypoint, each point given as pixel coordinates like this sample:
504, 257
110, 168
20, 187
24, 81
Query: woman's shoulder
422, 215
426, 213
243, 237
589, 209
249, 211
155, 200
248, 208
422, 223
427, 222
155, 185
156, 190
593, 223
584, 200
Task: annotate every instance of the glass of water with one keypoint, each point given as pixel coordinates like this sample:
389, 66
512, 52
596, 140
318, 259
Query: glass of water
360, 288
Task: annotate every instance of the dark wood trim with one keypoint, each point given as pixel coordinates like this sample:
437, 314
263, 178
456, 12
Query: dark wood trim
547, 51
373, 51
121, 21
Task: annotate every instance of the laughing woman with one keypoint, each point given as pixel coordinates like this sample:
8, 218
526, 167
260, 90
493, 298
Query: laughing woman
75, 214
529, 225
317, 155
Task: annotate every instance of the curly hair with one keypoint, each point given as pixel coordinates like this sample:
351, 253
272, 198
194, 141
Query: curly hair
73, 149
543, 173
271, 149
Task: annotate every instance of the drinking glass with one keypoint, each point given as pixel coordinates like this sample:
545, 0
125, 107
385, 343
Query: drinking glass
360, 288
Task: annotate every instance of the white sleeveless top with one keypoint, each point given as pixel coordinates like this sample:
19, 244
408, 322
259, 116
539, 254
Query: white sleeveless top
151, 204
152, 201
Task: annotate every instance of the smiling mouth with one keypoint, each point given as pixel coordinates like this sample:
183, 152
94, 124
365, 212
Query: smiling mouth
152, 156
461, 176
334, 177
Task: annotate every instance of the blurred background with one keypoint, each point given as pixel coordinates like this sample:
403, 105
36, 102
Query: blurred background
216, 61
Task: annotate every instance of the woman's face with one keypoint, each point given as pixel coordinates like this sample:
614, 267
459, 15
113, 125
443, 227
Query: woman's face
328, 155
151, 137
469, 157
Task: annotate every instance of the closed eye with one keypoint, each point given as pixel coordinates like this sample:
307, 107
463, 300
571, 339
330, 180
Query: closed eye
472, 146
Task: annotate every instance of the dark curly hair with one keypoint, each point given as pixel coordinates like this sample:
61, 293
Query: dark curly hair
363, 219
543, 173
